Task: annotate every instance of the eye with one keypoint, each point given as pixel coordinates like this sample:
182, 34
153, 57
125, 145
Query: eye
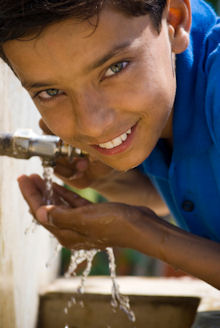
49, 94
116, 68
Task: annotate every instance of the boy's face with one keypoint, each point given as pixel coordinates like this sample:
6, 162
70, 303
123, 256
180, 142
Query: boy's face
109, 91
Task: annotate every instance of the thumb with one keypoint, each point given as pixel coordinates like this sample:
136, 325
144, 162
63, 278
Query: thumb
43, 214
82, 164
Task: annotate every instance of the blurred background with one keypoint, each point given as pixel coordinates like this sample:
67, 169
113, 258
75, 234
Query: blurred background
215, 4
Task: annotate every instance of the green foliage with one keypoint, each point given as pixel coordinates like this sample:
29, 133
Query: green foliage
213, 3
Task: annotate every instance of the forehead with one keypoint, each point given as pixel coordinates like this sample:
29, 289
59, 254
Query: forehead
72, 40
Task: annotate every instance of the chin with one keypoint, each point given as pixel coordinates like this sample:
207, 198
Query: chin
125, 165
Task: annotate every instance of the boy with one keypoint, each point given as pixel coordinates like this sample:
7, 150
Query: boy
135, 85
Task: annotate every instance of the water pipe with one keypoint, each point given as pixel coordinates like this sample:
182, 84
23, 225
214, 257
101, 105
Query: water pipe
24, 144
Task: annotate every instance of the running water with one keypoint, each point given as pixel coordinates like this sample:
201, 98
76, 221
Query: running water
48, 178
48, 196
79, 256
118, 300
48, 200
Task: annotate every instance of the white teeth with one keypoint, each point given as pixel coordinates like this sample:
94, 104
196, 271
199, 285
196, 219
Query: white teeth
124, 136
108, 145
115, 142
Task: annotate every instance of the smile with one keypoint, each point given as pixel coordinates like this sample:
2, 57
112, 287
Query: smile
118, 144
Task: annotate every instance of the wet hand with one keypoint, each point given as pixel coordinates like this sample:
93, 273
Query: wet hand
76, 222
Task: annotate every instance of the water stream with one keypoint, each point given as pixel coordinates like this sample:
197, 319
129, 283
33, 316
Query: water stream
79, 256
118, 300
48, 196
48, 178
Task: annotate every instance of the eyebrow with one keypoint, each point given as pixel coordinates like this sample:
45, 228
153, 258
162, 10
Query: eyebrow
34, 85
100, 61
97, 63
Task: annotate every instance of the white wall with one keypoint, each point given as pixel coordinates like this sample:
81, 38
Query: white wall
22, 257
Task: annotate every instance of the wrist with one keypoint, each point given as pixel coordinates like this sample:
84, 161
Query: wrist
144, 231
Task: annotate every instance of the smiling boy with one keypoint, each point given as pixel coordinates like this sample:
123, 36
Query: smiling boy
135, 85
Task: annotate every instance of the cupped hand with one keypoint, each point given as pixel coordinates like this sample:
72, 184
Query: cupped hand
78, 223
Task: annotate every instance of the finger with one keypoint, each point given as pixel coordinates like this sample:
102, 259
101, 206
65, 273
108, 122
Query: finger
82, 164
73, 240
41, 185
68, 175
71, 170
38, 181
70, 197
31, 193
68, 218
67, 237
63, 170
61, 195
43, 218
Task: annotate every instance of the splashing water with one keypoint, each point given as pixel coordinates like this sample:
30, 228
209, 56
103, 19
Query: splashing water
32, 227
79, 256
117, 298
56, 249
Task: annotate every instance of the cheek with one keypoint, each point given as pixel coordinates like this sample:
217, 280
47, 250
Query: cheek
59, 122
147, 98
150, 87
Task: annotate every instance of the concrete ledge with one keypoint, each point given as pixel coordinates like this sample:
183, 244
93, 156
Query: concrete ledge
157, 302
210, 296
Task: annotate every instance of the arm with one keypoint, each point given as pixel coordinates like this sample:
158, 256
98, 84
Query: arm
132, 188
198, 256
86, 225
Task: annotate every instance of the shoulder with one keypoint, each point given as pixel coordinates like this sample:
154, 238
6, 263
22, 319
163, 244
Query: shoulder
203, 18
212, 73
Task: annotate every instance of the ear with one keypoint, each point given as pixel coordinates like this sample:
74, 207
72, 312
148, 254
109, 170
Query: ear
179, 23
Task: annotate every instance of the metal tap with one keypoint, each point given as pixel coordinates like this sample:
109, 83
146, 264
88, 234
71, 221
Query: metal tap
24, 144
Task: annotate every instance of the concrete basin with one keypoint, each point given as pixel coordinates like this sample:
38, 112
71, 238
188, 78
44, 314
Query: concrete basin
93, 309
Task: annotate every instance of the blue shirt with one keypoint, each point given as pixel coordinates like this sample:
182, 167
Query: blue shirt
189, 178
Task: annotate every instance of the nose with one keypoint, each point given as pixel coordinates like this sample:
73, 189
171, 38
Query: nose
93, 115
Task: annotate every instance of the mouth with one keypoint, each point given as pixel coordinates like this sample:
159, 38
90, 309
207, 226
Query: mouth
118, 144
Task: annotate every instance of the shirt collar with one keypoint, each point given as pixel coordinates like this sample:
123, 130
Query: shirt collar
190, 131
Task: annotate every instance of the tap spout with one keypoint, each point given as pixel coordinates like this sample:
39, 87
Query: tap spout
24, 144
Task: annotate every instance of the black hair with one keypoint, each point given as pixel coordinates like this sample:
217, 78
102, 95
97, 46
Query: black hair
20, 18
